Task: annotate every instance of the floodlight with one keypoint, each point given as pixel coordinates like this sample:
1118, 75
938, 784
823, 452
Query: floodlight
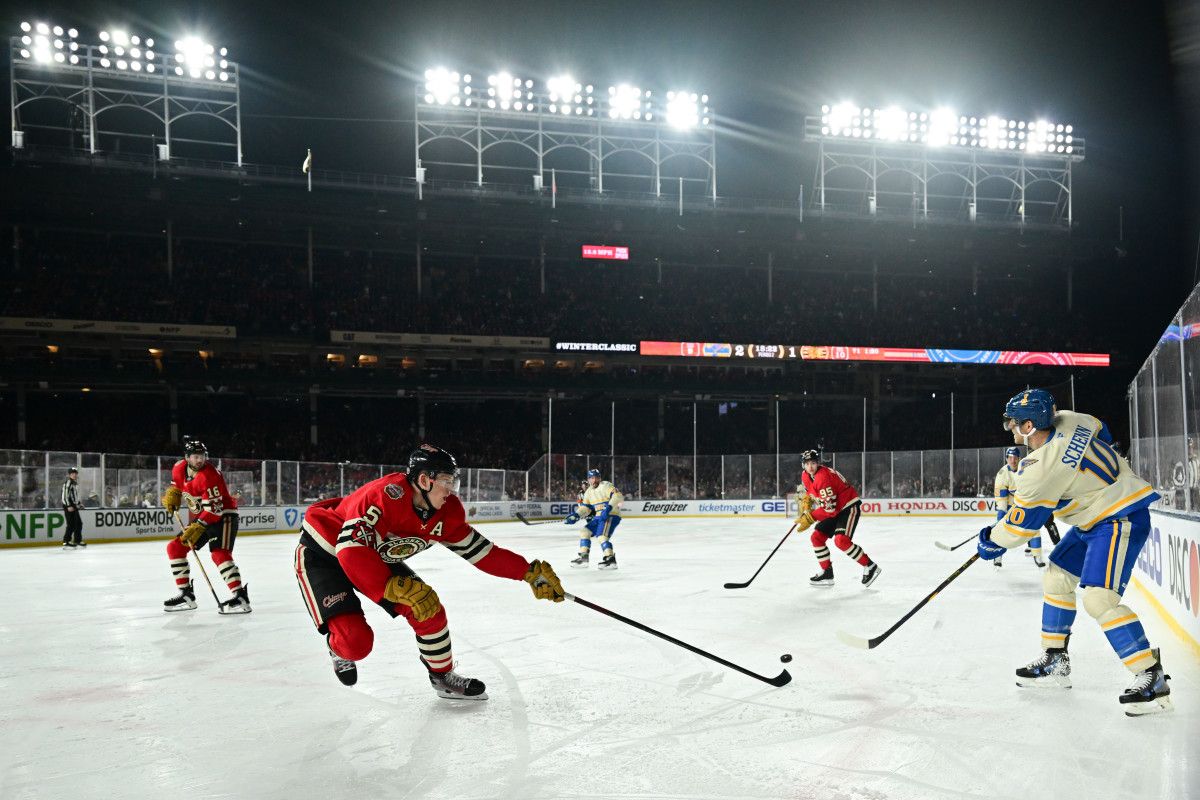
682, 109
891, 124
624, 101
942, 123
25, 26
840, 117
441, 85
43, 29
196, 56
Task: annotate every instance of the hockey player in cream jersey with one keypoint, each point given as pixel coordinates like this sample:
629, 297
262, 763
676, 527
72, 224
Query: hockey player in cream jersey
1006, 483
600, 503
1073, 472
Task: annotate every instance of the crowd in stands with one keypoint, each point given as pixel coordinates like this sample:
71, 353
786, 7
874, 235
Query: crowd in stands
264, 290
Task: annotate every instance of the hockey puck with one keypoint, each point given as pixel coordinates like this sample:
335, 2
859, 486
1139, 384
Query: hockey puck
786, 657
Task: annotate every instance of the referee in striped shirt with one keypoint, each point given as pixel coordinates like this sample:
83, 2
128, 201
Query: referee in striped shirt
70, 504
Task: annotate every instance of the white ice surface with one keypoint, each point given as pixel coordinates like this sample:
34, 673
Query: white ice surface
104, 695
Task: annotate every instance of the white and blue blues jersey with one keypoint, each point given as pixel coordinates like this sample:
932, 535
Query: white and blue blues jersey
1075, 476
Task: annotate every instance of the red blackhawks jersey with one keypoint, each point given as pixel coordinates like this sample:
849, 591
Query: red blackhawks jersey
205, 492
377, 526
829, 488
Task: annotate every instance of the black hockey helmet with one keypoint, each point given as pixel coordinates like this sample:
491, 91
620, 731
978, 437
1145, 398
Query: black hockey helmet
432, 461
810, 455
191, 446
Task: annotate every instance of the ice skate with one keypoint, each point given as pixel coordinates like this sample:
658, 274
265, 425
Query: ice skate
344, 669
81, 544
240, 604
452, 686
184, 601
581, 562
1149, 693
999, 562
870, 573
68, 545
823, 578
1051, 671
608, 562
1039, 563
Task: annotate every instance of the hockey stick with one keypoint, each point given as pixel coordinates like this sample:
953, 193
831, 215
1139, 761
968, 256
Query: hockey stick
521, 517
760, 569
960, 544
868, 644
200, 564
781, 679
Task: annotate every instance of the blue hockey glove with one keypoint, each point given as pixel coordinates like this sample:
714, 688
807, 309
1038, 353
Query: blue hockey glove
572, 518
988, 550
601, 513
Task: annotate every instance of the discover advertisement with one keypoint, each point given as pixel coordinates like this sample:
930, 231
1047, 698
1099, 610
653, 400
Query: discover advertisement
1168, 570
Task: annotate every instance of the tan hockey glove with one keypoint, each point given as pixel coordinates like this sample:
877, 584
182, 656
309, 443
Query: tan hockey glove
543, 581
804, 521
806, 503
193, 534
172, 499
414, 593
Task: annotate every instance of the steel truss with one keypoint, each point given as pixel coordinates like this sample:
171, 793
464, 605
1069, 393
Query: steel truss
542, 134
91, 91
971, 185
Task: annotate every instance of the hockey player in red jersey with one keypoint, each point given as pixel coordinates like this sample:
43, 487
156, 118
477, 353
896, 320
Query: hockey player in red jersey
361, 542
213, 521
834, 506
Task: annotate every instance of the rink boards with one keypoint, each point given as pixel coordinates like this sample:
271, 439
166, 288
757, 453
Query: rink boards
1168, 571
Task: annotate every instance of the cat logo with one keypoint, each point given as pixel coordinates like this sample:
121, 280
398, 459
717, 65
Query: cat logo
394, 491
437, 529
393, 551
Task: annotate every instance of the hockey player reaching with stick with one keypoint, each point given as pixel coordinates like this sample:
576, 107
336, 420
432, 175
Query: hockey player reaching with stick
360, 543
1073, 471
600, 502
213, 521
834, 506
1006, 480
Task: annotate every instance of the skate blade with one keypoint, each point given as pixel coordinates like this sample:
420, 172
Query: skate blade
1044, 683
873, 577
180, 608
1157, 706
614, 566
452, 696
579, 566
238, 610
822, 585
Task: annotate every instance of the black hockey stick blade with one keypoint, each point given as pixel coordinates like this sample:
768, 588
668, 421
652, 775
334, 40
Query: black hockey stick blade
948, 547
870, 644
521, 517
782, 679
760, 569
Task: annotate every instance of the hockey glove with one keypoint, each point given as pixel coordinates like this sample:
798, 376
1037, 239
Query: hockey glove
172, 499
804, 521
1052, 529
572, 518
601, 514
414, 593
193, 535
543, 581
806, 503
989, 550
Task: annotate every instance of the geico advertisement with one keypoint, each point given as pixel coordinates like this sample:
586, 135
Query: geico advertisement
1169, 568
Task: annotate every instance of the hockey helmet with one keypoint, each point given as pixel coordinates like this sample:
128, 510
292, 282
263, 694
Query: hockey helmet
593, 473
1012, 452
191, 446
1035, 405
810, 455
432, 461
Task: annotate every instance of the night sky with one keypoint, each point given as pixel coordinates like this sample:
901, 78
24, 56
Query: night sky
1105, 68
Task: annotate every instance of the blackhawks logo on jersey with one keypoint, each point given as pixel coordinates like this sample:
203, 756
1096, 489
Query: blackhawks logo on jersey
393, 551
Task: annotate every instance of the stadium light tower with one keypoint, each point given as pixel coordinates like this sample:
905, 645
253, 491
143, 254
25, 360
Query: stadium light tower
122, 71
549, 118
940, 163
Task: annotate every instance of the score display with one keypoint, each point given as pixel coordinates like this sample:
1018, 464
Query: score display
810, 352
